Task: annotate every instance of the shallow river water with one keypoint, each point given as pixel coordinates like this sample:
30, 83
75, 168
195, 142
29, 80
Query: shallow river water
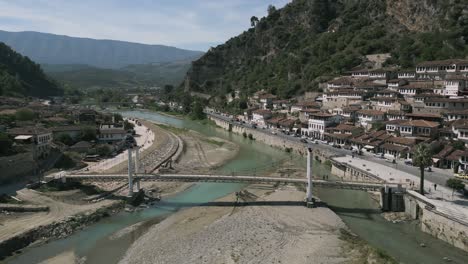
99, 243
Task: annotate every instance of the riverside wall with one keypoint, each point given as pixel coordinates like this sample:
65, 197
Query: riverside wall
444, 227
271, 139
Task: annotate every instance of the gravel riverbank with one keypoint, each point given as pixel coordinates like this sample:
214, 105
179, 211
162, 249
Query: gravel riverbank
264, 232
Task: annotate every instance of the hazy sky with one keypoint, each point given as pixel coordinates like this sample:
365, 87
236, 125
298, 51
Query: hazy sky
191, 24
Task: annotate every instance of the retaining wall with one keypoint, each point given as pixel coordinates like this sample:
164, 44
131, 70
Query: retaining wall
271, 139
436, 223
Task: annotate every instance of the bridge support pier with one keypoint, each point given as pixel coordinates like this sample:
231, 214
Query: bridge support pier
138, 186
309, 198
130, 173
137, 160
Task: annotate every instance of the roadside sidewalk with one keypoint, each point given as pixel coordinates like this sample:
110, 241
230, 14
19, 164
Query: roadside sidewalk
456, 205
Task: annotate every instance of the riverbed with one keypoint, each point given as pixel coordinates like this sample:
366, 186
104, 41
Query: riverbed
100, 244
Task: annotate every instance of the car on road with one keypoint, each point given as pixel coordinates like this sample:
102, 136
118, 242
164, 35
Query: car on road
303, 140
274, 132
409, 162
314, 141
336, 146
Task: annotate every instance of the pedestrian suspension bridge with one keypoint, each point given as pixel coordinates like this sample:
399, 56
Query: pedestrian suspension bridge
134, 177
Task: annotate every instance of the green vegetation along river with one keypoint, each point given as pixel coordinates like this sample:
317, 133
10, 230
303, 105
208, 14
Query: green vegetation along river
100, 243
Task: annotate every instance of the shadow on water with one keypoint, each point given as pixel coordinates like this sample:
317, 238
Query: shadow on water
232, 204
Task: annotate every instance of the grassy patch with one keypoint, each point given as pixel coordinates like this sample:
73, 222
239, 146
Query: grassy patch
54, 186
172, 129
368, 254
212, 141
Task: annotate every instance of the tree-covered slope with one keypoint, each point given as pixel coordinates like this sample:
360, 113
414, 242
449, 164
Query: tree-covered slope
55, 49
19, 76
132, 76
289, 49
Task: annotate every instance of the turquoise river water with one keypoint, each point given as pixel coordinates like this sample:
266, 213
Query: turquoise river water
99, 244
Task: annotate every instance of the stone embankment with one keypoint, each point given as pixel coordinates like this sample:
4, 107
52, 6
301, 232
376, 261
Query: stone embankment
56, 230
434, 221
23, 208
165, 147
271, 139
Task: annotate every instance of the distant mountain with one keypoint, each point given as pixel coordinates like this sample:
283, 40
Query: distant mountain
47, 48
84, 76
19, 76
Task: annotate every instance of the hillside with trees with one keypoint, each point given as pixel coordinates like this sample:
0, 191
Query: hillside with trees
20, 76
132, 76
294, 48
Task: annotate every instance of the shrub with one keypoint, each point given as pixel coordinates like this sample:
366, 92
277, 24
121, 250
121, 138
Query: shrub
250, 136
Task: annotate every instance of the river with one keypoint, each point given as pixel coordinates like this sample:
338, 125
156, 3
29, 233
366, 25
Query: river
99, 244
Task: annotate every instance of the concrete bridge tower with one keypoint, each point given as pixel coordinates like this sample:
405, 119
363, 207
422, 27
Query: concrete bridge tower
137, 166
130, 173
309, 198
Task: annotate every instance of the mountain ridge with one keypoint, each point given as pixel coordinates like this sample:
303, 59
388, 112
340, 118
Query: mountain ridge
47, 48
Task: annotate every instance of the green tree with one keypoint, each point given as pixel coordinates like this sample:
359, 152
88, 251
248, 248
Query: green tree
5, 144
458, 145
25, 114
88, 134
422, 158
455, 185
65, 139
197, 111
103, 150
271, 9
128, 125
378, 126
253, 21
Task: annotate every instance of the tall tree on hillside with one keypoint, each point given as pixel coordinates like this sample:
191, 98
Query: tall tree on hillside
422, 158
253, 21
271, 9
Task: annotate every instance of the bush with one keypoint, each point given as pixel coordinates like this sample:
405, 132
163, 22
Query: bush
65, 139
65, 162
244, 134
5, 144
103, 150
250, 136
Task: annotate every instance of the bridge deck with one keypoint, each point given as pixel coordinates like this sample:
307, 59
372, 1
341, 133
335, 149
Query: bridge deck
223, 178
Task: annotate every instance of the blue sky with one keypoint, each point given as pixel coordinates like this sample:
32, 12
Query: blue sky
195, 24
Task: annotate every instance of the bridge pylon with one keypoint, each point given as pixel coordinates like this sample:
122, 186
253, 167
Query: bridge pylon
309, 197
130, 173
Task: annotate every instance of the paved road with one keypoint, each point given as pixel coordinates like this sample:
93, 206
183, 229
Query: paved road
438, 176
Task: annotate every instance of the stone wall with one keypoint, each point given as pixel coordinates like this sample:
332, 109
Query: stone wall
349, 173
271, 139
435, 223
445, 228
